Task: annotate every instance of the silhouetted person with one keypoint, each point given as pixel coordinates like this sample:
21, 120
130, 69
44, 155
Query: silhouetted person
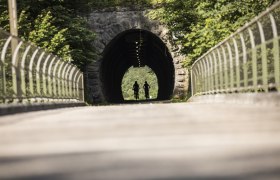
146, 89
136, 90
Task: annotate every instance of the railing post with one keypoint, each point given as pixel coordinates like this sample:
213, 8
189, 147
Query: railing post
38, 81
225, 68
221, 87
67, 83
230, 67
254, 60
76, 92
71, 81
237, 64
216, 83
64, 81
23, 70
192, 83
50, 76
30, 74
205, 76
276, 52
60, 80
196, 80
211, 68
55, 80
3, 57
201, 83
82, 88
245, 65
78, 86
44, 76
264, 59
15, 72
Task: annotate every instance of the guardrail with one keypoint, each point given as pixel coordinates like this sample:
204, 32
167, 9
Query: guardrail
30, 74
247, 61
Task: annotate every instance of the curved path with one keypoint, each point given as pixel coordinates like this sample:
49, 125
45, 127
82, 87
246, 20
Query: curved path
183, 141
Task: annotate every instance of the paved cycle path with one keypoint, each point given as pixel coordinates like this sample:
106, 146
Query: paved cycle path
183, 141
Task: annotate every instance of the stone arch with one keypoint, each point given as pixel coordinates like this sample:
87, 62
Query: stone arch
136, 48
108, 25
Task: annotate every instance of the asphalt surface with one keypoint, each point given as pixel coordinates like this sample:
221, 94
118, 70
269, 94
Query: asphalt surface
183, 141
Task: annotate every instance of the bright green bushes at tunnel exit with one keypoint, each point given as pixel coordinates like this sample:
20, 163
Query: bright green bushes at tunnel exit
140, 75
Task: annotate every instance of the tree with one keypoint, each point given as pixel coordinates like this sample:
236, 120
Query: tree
198, 25
60, 27
203, 23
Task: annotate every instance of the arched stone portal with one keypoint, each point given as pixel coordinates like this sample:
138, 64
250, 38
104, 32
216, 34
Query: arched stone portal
118, 32
136, 48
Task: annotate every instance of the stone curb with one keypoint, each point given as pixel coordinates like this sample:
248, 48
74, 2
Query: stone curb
6, 109
244, 98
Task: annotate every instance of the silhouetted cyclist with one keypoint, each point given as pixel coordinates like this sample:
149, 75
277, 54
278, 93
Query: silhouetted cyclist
146, 89
136, 90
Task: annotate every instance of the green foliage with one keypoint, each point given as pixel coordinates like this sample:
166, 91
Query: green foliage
140, 75
4, 18
60, 27
46, 35
200, 25
24, 24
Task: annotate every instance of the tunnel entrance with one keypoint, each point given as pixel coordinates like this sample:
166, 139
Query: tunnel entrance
136, 48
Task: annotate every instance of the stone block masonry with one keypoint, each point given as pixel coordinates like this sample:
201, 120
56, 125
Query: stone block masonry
107, 24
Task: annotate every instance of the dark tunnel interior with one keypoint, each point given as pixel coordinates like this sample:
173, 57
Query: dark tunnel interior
136, 48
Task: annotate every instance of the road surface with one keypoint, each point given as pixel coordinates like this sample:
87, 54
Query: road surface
183, 141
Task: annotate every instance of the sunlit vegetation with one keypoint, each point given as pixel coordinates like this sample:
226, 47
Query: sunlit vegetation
201, 24
62, 28
140, 75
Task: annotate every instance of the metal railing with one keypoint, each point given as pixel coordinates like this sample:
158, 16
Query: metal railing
30, 74
247, 61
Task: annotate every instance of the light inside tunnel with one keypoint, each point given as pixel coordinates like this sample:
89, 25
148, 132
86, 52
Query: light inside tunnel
137, 48
140, 75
